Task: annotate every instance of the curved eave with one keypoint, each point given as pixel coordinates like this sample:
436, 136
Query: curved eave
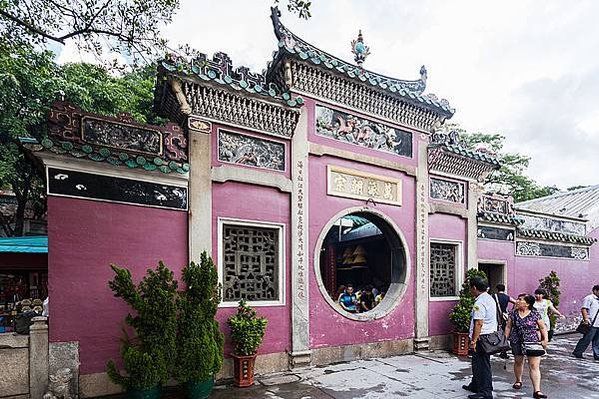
293, 46
196, 75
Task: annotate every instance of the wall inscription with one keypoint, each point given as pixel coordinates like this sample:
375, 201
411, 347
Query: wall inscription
348, 183
363, 132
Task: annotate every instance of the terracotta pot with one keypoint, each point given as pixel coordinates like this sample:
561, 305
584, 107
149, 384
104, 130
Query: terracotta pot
460, 344
244, 370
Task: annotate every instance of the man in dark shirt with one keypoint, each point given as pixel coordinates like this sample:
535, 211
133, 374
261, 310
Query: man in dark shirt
503, 300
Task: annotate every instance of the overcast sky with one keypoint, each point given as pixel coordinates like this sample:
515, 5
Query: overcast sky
526, 69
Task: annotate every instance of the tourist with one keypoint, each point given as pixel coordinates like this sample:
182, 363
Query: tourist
503, 300
379, 298
366, 299
483, 322
545, 307
340, 291
348, 300
589, 311
522, 327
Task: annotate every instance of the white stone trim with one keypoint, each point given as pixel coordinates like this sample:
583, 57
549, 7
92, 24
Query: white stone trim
393, 297
459, 267
282, 255
222, 174
321, 149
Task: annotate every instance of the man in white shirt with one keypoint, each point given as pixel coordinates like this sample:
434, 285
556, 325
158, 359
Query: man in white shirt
483, 322
589, 311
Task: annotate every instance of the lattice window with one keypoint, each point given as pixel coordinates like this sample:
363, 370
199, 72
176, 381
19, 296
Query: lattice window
443, 263
250, 263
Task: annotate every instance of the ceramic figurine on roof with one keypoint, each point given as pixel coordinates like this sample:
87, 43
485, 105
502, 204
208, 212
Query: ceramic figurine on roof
359, 49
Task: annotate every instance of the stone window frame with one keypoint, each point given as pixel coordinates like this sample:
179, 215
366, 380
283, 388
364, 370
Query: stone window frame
459, 268
395, 294
222, 221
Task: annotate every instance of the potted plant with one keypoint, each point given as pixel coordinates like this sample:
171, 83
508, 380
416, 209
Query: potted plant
200, 341
461, 313
148, 356
247, 332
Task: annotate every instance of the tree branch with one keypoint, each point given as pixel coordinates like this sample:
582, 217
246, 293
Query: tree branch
30, 27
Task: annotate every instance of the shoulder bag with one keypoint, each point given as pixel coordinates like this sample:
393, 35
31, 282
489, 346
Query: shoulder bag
495, 342
585, 328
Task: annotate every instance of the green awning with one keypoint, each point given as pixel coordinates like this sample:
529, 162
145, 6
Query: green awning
32, 245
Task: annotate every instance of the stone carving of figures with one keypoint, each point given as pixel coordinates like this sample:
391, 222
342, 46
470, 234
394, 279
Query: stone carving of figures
58, 388
357, 186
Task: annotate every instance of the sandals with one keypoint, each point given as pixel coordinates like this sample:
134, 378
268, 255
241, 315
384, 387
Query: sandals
538, 395
517, 385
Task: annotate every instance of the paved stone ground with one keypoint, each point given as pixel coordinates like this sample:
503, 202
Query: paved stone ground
423, 376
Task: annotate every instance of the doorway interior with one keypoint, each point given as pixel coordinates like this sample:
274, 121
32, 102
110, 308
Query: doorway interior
495, 272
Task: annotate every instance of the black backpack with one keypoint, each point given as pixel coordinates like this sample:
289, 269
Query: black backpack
23, 321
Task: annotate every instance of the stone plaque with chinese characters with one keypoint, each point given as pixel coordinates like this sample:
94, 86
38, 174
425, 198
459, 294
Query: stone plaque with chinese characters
354, 184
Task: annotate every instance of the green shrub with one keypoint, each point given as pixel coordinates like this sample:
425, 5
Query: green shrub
550, 284
200, 341
462, 312
247, 330
148, 358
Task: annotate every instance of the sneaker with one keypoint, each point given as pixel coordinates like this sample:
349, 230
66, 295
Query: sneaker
504, 355
577, 355
469, 388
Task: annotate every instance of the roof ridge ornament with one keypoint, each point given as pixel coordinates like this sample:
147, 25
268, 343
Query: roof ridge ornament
359, 49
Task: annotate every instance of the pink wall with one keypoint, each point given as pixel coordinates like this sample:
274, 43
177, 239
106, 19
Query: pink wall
325, 322
248, 202
84, 237
577, 277
447, 227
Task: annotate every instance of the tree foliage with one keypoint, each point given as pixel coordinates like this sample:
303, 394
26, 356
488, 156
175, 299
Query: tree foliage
123, 26
462, 312
149, 359
247, 329
30, 81
550, 284
200, 342
511, 178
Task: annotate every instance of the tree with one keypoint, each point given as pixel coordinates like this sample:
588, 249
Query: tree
510, 177
29, 82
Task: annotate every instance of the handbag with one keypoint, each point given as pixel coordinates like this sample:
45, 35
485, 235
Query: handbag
585, 328
532, 349
495, 342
